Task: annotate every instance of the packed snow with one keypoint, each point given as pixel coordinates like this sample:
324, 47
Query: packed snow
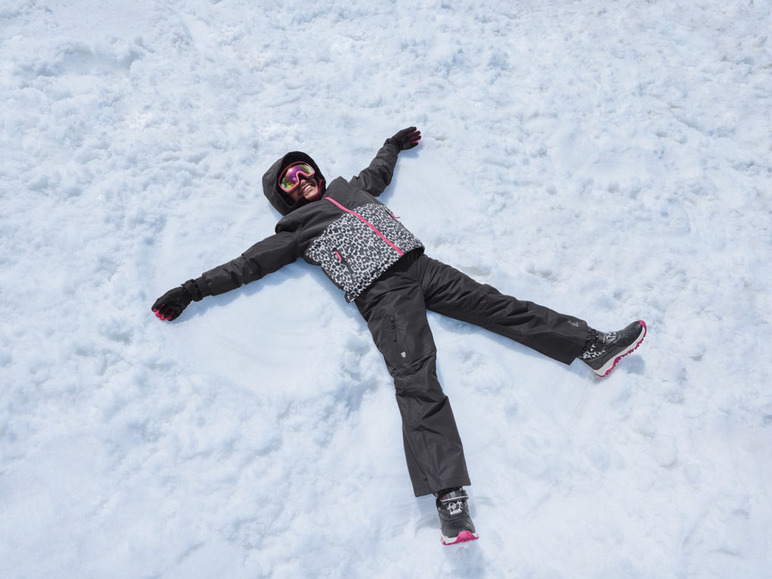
610, 160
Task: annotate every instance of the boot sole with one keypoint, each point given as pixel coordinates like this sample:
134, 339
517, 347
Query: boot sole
463, 537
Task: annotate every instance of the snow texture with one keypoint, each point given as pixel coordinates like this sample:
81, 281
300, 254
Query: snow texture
609, 160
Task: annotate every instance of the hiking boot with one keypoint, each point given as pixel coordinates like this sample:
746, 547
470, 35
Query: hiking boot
456, 524
603, 351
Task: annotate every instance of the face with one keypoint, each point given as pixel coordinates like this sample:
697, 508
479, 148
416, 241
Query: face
308, 188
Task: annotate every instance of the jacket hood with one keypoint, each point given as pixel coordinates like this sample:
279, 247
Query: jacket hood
278, 198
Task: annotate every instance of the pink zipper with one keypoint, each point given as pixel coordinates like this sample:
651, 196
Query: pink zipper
366, 222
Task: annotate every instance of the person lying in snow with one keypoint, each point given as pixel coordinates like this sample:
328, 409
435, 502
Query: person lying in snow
382, 268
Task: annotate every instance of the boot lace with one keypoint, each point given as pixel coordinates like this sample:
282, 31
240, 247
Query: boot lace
596, 344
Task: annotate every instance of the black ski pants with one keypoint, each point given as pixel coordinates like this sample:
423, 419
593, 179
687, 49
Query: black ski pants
395, 310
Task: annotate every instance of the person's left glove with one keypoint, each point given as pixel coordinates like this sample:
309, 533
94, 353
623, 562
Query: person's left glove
170, 305
406, 138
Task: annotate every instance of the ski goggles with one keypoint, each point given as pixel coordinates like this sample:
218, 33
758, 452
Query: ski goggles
290, 177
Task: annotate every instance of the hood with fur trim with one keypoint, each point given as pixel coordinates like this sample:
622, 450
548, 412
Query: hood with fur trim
278, 198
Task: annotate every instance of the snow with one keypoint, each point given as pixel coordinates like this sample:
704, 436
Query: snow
609, 160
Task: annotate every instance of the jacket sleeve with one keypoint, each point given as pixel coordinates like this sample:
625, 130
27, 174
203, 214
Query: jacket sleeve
378, 175
266, 256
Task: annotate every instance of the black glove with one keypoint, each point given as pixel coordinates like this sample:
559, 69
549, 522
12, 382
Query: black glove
406, 138
170, 305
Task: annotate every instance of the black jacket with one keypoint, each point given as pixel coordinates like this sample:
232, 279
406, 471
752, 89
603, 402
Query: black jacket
348, 232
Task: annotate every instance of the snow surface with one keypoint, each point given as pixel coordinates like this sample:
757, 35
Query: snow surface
608, 159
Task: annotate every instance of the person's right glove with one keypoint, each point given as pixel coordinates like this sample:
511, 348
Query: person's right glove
170, 305
406, 138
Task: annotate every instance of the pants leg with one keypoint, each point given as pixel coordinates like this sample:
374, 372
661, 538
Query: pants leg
449, 292
395, 312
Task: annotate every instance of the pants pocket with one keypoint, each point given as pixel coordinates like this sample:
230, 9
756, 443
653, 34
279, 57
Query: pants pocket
386, 336
396, 338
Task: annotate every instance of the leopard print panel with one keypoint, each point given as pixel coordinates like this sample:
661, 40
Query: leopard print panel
353, 254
